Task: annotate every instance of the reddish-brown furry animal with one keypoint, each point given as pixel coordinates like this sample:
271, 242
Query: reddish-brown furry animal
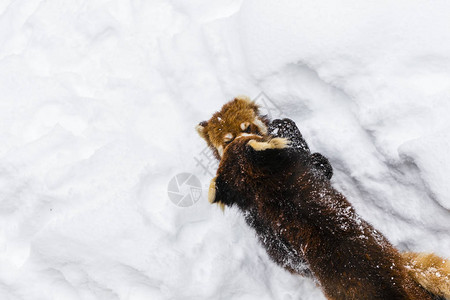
237, 117
241, 117
348, 257
267, 186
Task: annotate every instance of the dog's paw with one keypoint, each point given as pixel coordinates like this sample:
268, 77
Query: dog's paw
275, 143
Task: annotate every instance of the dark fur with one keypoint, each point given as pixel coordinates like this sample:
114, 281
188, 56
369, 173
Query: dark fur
278, 249
294, 200
286, 128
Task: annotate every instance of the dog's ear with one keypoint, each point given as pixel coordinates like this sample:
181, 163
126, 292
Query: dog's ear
201, 129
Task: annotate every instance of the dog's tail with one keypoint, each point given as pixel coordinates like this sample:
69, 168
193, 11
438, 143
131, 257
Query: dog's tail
430, 271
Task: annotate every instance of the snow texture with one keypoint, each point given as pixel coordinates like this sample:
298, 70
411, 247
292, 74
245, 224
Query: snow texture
98, 105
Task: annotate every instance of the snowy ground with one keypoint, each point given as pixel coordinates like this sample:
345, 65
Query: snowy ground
98, 105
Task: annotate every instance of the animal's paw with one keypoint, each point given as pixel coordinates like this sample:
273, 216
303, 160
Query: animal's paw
322, 164
286, 128
275, 143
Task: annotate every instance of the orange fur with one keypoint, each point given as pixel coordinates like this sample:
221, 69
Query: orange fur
236, 117
430, 271
241, 116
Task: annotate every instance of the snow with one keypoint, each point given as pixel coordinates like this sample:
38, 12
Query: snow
99, 100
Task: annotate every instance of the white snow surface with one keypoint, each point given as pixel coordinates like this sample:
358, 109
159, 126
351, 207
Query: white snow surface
98, 105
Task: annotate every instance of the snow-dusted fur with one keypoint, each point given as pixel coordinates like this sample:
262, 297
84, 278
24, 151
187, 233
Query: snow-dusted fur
430, 271
349, 258
228, 122
237, 117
